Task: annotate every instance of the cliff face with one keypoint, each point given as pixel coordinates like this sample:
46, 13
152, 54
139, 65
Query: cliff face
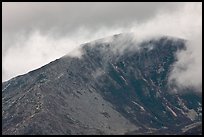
109, 90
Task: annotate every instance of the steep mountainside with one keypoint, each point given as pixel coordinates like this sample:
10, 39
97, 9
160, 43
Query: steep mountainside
118, 86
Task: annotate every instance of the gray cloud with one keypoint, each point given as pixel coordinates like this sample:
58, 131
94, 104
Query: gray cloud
67, 17
37, 33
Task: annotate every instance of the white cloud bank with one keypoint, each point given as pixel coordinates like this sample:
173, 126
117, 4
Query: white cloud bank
184, 23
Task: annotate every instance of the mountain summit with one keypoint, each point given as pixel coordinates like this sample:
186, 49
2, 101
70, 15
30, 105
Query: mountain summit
118, 86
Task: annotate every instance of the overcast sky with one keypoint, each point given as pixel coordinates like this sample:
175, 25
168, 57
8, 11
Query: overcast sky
36, 33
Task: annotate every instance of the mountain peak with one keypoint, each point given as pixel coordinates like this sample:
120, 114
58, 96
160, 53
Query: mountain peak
118, 86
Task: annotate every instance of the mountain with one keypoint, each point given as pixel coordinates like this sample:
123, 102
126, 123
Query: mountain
118, 86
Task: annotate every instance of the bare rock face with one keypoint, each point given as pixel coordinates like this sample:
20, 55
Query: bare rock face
118, 86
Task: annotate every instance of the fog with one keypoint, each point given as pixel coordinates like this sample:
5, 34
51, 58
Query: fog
36, 33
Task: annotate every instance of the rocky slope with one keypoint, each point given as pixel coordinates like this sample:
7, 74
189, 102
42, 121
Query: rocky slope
118, 86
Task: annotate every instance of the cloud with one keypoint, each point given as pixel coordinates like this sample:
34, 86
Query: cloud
67, 17
37, 33
37, 50
186, 23
187, 70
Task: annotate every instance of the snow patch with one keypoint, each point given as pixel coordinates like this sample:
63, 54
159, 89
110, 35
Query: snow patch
172, 111
142, 108
6, 87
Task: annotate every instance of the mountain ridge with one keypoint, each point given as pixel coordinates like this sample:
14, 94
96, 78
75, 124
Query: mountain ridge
102, 92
